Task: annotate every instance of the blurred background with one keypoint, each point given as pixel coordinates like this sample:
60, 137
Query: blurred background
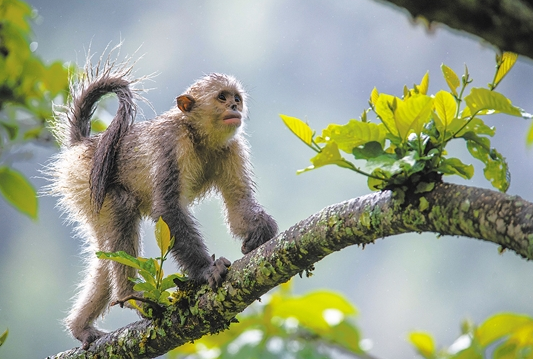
315, 60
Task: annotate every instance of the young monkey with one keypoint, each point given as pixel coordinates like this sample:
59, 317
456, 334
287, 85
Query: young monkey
108, 182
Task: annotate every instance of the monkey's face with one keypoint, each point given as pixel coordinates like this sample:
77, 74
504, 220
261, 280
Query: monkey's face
231, 103
215, 105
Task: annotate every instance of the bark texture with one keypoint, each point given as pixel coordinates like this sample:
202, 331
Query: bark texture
507, 24
448, 210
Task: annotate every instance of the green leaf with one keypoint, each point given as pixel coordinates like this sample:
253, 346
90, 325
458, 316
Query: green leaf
329, 155
478, 127
384, 109
479, 146
120, 257
153, 294
374, 95
18, 191
369, 150
501, 325
353, 134
168, 281
162, 236
496, 169
412, 114
446, 107
424, 187
424, 204
163, 298
150, 265
451, 78
481, 99
374, 182
423, 343
454, 166
3, 337
424, 84
148, 277
144, 287
299, 128
505, 63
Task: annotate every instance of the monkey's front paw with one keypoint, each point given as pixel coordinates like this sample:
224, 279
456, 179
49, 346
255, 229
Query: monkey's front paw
216, 273
261, 234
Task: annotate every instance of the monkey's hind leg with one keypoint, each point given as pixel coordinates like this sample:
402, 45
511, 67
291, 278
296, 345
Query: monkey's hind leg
116, 228
90, 303
123, 235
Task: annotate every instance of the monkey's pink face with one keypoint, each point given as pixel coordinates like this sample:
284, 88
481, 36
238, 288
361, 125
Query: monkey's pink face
233, 106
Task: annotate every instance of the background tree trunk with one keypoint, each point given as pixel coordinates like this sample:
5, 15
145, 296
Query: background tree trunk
507, 24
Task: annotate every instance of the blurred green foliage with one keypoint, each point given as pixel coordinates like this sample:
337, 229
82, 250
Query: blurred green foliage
285, 325
28, 88
405, 148
502, 336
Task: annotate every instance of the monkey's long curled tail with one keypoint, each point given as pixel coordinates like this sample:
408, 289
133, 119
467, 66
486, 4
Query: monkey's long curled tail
74, 124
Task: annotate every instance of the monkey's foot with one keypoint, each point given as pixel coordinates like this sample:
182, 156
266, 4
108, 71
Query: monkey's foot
215, 274
88, 335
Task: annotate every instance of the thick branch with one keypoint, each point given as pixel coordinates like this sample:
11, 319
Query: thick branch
448, 210
507, 24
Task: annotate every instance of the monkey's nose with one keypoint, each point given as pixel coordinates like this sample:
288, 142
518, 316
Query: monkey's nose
234, 107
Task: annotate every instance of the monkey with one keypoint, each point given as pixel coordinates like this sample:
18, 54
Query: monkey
107, 183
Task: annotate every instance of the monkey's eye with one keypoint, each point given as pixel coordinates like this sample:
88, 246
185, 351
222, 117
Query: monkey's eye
221, 97
237, 98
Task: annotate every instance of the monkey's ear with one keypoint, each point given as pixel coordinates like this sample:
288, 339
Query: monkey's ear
185, 102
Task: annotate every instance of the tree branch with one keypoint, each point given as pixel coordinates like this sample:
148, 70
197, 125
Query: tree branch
448, 210
507, 24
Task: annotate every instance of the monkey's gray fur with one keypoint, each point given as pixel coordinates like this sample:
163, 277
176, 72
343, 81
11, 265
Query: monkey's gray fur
108, 182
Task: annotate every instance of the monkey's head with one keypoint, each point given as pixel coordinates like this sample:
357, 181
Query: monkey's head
216, 106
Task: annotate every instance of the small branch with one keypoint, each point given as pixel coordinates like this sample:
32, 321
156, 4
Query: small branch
448, 210
134, 297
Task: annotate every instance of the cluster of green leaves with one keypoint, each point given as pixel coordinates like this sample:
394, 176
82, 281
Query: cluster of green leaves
152, 282
27, 89
506, 336
285, 325
407, 143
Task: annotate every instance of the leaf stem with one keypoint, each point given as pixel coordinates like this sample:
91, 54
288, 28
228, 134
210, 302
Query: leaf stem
383, 122
459, 99
462, 127
317, 148
493, 84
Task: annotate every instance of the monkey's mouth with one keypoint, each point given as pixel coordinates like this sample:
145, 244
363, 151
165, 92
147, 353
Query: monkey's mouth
232, 118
